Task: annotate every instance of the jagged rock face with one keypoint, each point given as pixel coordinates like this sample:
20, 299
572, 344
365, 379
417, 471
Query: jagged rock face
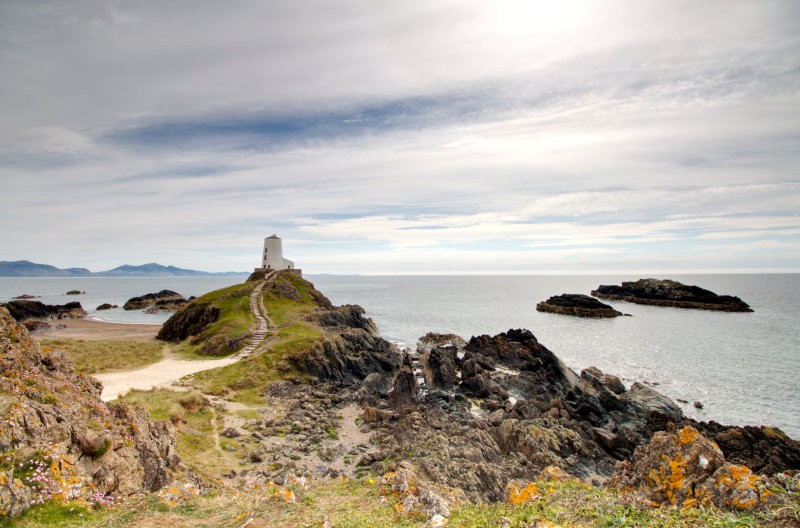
349, 358
191, 320
346, 317
53, 413
577, 305
23, 310
671, 293
519, 349
765, 450
144, 301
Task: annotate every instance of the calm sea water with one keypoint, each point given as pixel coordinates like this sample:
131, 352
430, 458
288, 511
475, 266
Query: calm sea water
743, 367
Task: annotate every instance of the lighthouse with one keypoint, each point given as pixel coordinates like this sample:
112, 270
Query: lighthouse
272, 256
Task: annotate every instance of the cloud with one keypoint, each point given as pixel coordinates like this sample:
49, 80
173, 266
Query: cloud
411, 137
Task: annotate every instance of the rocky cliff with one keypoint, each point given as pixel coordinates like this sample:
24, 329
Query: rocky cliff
59, 439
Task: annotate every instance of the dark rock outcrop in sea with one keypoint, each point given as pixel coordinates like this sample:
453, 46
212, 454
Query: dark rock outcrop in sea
150, 299
577, 305
107, 306
23, 310
54, 420
658, 292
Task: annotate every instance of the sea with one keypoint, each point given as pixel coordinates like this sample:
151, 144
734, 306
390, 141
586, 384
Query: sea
743, 367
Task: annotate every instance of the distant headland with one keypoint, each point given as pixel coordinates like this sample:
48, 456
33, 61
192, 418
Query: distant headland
25, 268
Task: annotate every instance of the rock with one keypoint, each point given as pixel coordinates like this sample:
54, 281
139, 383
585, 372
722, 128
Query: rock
671, 293
349, 357
347, 316
613, 383
56, 415
686, 469
107, 306
34, 326
75, 292
577, 305
166, 305
25, 296
405, 392
765, 450
653, 401
418, 497
191, 320
149, 299
231, 432
23, 310
697, 405
439, 367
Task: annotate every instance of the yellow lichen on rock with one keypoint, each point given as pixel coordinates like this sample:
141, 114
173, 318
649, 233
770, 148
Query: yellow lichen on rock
688, 470
521, 496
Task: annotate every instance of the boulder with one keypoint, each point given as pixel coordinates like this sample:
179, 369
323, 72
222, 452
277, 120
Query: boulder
107, 306
577, 305
671, 293
687, 469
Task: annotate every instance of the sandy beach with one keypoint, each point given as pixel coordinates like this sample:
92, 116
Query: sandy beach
91, 329
160, 374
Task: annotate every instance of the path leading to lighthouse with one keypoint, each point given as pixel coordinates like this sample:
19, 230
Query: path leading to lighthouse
170, 369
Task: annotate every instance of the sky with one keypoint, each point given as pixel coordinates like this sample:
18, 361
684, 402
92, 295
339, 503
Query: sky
413, 137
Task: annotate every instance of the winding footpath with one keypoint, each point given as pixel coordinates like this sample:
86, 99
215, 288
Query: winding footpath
260, 313
170, 369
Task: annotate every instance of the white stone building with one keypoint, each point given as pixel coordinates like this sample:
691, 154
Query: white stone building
272, 256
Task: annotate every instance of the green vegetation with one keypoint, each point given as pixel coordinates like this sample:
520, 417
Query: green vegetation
197, 425
245, 381
92, 356
364, 503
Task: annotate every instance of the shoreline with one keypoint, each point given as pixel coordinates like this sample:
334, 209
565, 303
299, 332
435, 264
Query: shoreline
93, 329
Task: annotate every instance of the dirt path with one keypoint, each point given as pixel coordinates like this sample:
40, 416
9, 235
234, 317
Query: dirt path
170, 369
160, 374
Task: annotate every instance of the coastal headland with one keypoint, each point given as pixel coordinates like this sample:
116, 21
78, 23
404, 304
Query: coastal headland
314, 415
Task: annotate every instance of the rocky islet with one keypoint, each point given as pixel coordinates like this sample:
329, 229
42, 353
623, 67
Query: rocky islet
578, 305
658, 292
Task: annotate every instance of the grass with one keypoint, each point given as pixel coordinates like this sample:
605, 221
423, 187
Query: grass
196, 445
93, 356
364, 503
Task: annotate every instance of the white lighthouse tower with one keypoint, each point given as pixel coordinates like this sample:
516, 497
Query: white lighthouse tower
272, 256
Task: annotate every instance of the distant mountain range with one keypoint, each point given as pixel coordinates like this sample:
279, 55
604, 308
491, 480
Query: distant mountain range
25, 268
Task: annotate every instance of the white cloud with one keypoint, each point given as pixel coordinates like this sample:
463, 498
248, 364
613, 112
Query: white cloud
402, 136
